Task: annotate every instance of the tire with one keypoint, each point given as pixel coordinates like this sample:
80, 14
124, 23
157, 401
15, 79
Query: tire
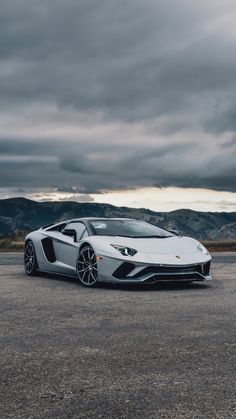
86, 267
30, 260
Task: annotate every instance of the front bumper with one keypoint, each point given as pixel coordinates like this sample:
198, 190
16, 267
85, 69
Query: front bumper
131, 271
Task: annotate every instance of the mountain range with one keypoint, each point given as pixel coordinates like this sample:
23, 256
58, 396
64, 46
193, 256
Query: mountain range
21, 215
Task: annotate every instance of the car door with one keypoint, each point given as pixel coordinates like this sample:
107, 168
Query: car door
66, 247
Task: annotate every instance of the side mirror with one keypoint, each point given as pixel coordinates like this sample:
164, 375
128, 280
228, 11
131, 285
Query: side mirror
70, 232
175, 232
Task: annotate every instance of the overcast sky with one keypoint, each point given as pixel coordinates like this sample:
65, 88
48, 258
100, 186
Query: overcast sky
101, 98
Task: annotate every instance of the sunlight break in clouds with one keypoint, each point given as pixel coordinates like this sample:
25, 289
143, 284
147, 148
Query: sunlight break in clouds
156, 199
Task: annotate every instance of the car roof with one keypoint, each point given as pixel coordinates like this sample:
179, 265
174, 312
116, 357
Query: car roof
73, 220
100, 219
85, 219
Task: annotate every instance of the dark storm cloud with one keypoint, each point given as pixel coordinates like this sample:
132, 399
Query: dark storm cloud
15, 147
130, 61
230, 144
75, 170
163, 166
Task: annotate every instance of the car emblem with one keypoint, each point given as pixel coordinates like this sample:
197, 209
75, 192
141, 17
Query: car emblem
177, 256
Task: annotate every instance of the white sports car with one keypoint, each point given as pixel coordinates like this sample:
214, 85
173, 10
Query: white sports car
117, 250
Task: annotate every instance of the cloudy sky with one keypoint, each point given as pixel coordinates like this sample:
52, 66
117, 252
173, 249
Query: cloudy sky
131, 102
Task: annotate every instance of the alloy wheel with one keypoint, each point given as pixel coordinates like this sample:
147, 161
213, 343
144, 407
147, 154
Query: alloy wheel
29, 258
87, 267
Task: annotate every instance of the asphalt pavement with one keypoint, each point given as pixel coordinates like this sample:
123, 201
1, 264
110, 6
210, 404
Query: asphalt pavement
163, 351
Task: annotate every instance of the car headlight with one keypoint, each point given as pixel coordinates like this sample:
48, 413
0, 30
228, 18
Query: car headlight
124, 250
202, 249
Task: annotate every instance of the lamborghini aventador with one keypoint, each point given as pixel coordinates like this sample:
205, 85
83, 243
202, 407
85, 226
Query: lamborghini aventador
117, 250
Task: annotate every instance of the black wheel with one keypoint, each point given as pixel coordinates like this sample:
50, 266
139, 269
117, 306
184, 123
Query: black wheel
87, 267
30, 261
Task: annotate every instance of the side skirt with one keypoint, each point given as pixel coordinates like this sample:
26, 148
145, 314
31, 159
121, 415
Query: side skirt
56, 273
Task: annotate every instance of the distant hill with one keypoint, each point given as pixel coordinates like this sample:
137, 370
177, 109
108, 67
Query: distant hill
20, 215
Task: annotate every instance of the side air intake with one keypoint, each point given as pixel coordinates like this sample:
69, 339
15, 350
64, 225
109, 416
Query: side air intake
48, 249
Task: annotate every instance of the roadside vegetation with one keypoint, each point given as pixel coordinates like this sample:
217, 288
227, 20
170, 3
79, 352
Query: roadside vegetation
220, 246
12, 243
15, 243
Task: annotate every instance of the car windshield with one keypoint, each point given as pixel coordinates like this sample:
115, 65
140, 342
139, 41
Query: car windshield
128, 228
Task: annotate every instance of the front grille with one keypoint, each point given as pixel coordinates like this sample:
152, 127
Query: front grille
170, 270
184, 277
163, 272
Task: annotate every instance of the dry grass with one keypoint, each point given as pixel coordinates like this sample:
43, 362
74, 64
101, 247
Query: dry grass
221, 246
12, 243
15, 243
11, 246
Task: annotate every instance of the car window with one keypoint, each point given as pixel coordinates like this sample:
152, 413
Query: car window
78, 227
128, 228
84, 234
58, 227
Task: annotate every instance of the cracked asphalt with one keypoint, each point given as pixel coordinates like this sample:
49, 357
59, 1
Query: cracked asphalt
164, 351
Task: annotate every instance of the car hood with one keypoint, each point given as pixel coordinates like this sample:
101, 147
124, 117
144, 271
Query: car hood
168, 245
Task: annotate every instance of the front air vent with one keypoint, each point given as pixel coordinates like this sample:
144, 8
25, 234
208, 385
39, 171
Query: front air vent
206, 268
123, 270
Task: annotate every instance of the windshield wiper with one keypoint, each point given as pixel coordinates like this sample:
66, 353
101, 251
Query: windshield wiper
152, 237
123, 235
137, 237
